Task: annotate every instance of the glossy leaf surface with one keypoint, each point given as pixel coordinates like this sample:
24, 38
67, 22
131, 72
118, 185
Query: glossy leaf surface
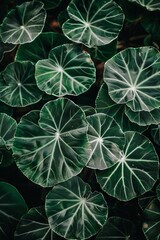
18, 85
133, 79
106, 139
155, 132
93, 23
34, 225
73, 211
52, 147
104, 104
68, 70
40, 47
24, 23
136, 171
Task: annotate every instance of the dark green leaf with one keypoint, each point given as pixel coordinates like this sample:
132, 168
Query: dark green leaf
151, 220
73, 211
53, 147
24, 23
68, 70
18, 85
40, 47
136, 171
93, 23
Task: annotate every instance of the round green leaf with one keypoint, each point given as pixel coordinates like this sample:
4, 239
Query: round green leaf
12, 205
24, 23
133, 79
68, 70
155, 132
151, 5
106, 139
136, 171
158, 192
151, 220
18, 85
93, 23
7, 132
117, 228
73, 211
143, 118
34, 225
53, 147
104, 104
40, 47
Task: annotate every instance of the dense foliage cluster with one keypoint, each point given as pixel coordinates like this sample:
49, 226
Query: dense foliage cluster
79, 119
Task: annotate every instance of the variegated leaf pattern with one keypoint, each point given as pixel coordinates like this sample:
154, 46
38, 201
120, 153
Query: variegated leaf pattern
18, 85
106, 139
24, 23
68, 70
52, 146
73, 211
136, 171
132, 77
93, 23
34, 225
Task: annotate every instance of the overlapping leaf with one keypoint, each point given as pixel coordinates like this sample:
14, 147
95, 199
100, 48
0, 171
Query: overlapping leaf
104, 104
50, 4
136, 171
12, 206
52, 147
68, 70
155, 132
146, 198
24, 23
5, 47
40, 47
93, 23
73, 211
106, 139
143, 118
8, 127
151, 5
18, 85
133, 79
151, 220
34, 225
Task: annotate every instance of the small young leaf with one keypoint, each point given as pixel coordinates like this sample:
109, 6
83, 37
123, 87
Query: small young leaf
18, 85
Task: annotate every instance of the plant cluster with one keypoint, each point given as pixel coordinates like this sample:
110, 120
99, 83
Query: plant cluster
79, 119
